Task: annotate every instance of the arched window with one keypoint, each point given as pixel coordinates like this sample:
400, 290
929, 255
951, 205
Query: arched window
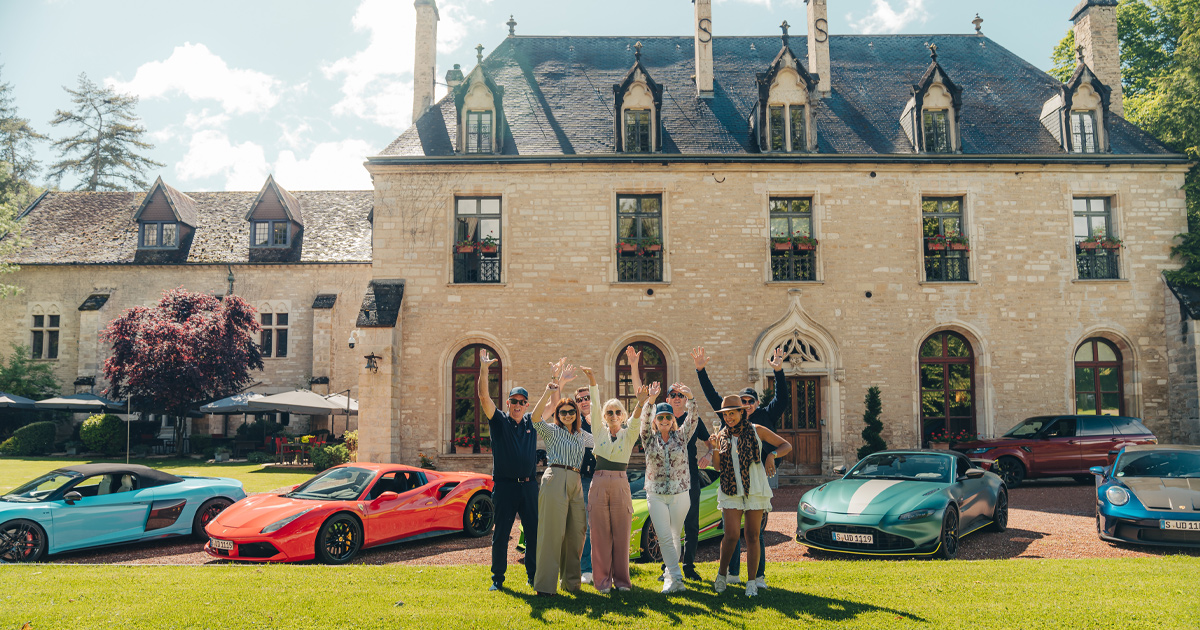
947, 385
1098, 382
654, 368
469, 428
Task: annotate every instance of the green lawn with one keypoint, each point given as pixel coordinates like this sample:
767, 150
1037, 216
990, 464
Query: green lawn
993, 594
15, 471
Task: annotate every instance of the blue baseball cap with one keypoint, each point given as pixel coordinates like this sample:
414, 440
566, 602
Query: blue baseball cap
661, 408
518, 391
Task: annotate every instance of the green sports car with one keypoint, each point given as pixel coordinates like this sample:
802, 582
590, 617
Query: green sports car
903, 503
643, 543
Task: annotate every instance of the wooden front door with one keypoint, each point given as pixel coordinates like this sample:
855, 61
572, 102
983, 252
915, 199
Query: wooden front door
801, 423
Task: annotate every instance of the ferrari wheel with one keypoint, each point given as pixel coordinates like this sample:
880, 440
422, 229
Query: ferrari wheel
1000, 514
339, 539
22, 541
479, 516
949, 538
205, 515
1011, 470
651, 552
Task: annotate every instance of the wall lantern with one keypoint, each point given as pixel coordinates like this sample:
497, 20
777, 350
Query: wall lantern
373, 362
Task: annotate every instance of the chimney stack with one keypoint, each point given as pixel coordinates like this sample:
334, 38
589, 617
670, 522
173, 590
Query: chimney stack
454, 77
425, 59
704, 51
1096, 31
818, 44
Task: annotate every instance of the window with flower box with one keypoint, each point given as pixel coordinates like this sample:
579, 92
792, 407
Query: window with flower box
1097, 248
793, 248
946, 246
469, 430
476, 240
639, 238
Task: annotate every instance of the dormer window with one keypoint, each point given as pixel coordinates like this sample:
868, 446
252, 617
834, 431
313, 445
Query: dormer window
637, 131
787, 129
780, 121
479, 104
270, 234
276, 224
1083, 131
160, 235
937, 130
638, 107
479, 131
1076, 115
930, 118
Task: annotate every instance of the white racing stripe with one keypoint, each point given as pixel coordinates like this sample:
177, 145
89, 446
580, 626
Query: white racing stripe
867, 493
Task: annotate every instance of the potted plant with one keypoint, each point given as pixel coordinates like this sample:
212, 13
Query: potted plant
222, 454
958, 242
426, 463
489, 245
627, 247
804, 243
940, 440
1100, 240
465, 246
937, 242
781, 243
652, 245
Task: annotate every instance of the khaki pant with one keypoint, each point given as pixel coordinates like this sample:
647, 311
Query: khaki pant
562, 522
610, 515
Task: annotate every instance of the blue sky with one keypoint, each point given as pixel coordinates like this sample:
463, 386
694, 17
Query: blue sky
305, 89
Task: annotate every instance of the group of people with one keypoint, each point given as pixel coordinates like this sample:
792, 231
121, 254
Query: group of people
577, 519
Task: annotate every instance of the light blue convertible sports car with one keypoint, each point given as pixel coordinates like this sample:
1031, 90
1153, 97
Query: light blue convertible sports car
91, 505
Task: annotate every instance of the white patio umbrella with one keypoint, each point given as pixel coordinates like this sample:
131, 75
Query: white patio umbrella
302, 401
347, 407
13, 401
82, 403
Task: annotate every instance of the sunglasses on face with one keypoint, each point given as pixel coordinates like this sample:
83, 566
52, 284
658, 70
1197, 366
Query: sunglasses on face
614, 412
582, 398
567, 412
517, 401
749, 401
675, 395
664, 417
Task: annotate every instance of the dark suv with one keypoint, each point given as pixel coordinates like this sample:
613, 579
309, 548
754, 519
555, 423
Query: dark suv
1058, 446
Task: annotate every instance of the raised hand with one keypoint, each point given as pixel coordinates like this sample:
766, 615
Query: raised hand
682, 389
776, 361
633, 356
655, 390
551, 386
643, 393
700, 357
557, 367
568, 374
486, 359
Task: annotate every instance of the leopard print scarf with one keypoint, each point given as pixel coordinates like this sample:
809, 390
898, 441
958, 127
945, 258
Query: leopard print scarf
748, 453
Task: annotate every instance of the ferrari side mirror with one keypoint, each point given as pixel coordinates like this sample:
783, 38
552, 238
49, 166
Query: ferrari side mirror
386, 496
72, 497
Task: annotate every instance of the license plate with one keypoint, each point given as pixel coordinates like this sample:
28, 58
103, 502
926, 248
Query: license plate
1188, 525
865, 539
227, 545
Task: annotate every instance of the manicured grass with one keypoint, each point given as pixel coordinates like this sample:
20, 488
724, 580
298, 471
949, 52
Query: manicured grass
15, 471
992, 594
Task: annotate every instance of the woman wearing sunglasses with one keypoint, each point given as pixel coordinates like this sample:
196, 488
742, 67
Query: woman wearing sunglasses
668, 478
562, 517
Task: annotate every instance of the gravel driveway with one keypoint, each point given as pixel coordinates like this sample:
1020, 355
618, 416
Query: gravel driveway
1047, 519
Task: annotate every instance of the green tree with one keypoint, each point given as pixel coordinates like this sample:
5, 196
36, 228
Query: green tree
103, 150
873, 441
23, 376
1063, 58
17, 142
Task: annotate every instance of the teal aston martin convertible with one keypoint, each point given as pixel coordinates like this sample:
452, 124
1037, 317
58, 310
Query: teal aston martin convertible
903, 503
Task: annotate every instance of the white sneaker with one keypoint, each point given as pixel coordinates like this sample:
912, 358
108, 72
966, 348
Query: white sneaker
623, 589
668, 586
605, 591
751, 589
679, 587
587, 578
761, 581
734, 579
719, 583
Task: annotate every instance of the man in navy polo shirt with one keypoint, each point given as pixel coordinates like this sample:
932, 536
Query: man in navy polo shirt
514, 471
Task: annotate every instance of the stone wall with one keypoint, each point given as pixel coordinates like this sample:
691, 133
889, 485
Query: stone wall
1096, 31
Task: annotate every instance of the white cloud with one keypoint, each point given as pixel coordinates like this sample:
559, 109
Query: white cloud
210, 153
193, 70
244, 166
377, 80
330, 166
885, 19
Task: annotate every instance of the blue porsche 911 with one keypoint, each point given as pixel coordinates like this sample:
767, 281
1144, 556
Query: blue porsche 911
1150, 496
91, 505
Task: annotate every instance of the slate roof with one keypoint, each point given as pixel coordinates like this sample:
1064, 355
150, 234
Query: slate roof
381, 304
558, 96
98, 227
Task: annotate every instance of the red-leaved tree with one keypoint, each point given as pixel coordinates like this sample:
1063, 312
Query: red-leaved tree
187, 349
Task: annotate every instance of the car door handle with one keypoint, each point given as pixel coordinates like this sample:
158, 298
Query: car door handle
1072, 442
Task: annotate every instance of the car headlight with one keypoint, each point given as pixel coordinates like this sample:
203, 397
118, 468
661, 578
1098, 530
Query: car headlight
1117, 495
915, 514
979, 451
808, 508
277, 525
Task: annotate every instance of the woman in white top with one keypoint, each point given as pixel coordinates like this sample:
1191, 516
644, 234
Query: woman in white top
610, 505
668, 478
744, 490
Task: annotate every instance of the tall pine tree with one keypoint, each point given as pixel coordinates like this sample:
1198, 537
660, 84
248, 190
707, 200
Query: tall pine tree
17, 165
103, 151
870, 435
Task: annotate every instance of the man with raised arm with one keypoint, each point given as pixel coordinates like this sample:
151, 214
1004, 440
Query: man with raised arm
514, 471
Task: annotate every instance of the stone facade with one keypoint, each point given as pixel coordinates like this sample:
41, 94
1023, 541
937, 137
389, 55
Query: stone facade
1096, 32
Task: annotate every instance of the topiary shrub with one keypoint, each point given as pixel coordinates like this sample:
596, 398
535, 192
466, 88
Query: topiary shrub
104, 433
873, 441
259, 457
31, 439
329, 456
9, 446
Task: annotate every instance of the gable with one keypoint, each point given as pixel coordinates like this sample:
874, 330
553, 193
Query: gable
157, 208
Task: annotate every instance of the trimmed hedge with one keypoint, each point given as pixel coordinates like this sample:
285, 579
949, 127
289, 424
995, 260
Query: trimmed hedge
259, 457
31, 439
104, 433
329, 456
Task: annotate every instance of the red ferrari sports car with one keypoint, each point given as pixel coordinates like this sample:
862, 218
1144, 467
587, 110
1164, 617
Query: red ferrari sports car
351, 507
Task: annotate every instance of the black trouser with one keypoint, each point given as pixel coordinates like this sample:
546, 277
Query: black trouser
735, 563
691, 525
512, 498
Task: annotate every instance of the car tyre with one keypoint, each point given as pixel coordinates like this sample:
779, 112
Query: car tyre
22, 540
651, 552
1011, 470
1000, 514
339, 539
206, 514
948, 548
479, 516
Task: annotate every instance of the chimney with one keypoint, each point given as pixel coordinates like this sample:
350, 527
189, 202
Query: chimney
425, 60
704, 52
454, 77
1096, 32
818, 44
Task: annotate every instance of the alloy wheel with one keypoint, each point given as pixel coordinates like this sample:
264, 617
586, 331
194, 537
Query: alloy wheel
21, 541
341, 540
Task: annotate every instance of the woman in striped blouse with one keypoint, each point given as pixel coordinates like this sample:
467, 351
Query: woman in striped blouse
668, 478
610, 504
562, 517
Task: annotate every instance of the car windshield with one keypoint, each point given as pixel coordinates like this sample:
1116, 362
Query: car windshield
1029, 427
42, 487
904, 466
1159, 464
637, 483
335, 484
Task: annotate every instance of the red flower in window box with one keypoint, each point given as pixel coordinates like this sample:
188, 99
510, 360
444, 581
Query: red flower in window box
935, 246
464, 247
962, 247
627, 248
1088, 245
489, 245
804, 243
781, 245
653, 248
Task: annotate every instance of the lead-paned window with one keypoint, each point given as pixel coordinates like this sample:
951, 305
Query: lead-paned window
469, 429
269, 234
946, 247
937, 130
479, 131
273, 338
637, 130
947, 365
1097, 250
799, 138
778, 128
159, 235
477, 239
793, 249
44, 337
639, 238
1083, 131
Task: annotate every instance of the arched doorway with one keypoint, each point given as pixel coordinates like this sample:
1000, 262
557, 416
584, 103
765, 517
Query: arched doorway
947, 366
469, 432
800, 423
1099, 386
654, 368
